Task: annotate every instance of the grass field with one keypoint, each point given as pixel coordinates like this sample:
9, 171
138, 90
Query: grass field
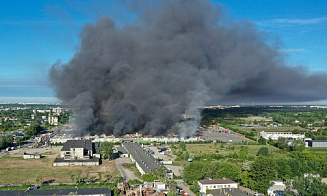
228, 148
317, 150
16, 170
132, 167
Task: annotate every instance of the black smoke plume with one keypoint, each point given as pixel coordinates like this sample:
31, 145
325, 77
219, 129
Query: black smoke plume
176, 56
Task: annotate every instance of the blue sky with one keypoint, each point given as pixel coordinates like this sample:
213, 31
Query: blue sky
35, 34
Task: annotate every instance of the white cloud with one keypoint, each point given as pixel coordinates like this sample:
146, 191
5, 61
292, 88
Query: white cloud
300, 21
293, 50
284, 22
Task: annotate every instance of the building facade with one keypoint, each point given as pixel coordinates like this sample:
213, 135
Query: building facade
213, 184
77, 152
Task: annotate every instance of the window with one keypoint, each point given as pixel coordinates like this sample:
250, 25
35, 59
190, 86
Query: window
214, 186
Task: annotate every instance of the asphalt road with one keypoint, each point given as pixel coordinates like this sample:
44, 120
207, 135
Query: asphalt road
125, 173
184, 187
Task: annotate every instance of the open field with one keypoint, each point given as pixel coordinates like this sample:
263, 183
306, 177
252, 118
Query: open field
322, 151
51, 153
256, 118
16, 170
228, 148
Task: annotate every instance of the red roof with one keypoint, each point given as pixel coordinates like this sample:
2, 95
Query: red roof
217, 181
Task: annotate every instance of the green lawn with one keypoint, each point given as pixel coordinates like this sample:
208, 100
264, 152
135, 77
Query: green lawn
228, 148
317, 150
132, 167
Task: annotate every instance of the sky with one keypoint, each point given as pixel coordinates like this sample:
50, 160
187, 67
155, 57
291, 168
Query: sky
36, 34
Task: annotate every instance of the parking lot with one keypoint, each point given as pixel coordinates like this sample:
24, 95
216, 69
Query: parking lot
166, 156
221, 135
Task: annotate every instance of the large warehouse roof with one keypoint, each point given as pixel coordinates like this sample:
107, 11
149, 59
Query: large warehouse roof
144, 159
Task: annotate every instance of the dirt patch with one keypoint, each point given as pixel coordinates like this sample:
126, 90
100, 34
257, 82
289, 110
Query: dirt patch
16, 170
52, 152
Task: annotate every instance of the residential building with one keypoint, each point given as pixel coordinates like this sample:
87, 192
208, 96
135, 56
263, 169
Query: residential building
229, 192
57, 110
77, 152
53, 120
213, 184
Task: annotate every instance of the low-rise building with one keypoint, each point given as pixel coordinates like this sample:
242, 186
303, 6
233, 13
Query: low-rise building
31, 156
318, 143
145, 162
213, 184
122, 152
275, 135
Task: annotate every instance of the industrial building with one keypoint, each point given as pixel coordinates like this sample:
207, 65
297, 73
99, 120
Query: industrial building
145, 162
275, 135
318, 143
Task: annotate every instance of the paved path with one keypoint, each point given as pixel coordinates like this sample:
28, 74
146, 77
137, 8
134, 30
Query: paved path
184, 187
125, 173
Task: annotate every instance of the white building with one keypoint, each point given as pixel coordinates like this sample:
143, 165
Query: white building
57, 110
276, 135
213, 184
53, 120
277, 188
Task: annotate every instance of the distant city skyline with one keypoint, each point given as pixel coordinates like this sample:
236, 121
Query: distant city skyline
37, 34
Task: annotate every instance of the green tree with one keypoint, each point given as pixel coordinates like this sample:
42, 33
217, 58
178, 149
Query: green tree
186, 155
6, 141
160, 173
262, 171
182, 145
245, 179
308, 186
172, 187
284, 171
106, 150
229, 170
263, 151
195, 187
297, 145
262, 141
149, 177
281, 144
194, 171
243, 152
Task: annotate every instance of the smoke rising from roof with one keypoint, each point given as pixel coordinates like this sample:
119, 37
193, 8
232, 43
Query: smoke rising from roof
178, 55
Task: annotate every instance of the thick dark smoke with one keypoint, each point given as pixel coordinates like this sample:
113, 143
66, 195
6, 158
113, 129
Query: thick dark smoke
178, 55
